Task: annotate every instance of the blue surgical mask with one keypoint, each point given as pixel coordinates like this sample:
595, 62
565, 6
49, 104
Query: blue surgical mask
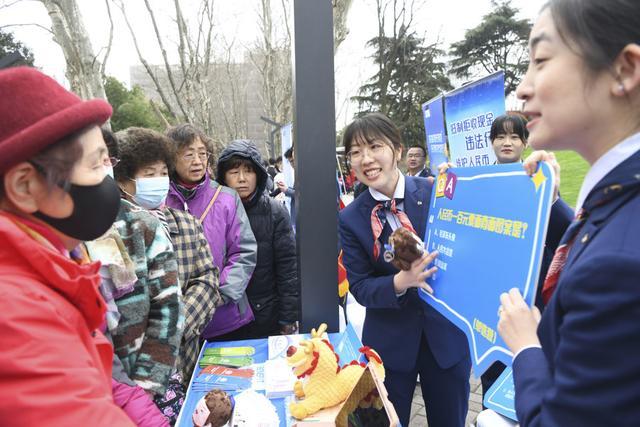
109, 171
151, 192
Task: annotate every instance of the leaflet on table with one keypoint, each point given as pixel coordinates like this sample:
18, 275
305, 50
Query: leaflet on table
278, 378
223, 370
227, 383
233, 362
489, 226
254, 409
278, 344
230, 351
501, 395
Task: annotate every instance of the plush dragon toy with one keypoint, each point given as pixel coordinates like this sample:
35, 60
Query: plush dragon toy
322, 383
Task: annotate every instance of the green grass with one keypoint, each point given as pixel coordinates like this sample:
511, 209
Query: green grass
573, 168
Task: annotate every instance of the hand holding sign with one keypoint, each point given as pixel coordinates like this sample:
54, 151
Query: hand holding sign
532, 162
518, 323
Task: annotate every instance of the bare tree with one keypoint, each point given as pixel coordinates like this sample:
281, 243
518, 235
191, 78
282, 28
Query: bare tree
84, 70
271, 56
340, 29
206, 86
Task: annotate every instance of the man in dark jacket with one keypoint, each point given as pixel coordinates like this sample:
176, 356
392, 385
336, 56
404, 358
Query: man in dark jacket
274, 289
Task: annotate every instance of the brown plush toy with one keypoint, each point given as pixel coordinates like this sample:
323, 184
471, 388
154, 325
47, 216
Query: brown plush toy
403, 249
213, 410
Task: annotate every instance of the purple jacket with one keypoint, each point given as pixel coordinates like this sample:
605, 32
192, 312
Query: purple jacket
233, 247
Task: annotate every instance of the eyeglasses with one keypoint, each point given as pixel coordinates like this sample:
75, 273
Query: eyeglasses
356, 154
110, 162
190, 157
414, 156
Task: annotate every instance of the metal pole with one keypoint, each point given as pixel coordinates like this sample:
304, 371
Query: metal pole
277, 126
314, 142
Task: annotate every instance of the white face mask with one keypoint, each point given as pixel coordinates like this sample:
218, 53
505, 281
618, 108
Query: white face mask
109, 170
151, 192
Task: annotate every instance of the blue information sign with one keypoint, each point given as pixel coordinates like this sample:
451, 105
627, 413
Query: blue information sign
489, 226
433, 116
502, 394
470, 111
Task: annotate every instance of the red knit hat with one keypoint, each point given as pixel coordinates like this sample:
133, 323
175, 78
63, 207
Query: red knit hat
35, 112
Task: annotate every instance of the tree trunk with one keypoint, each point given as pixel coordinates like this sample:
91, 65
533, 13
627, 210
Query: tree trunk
340, 29
83, 67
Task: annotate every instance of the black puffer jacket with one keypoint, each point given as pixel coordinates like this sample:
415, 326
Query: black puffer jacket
274, 289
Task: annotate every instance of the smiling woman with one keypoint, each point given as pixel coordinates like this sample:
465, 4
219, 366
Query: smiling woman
410, 336
582, 90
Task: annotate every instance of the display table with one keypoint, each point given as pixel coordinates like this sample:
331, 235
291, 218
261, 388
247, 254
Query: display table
346, 345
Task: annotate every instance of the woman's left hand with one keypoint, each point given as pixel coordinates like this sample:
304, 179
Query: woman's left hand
518, 323
531, 167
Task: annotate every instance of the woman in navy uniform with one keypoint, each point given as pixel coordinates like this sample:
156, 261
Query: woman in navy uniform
579, 365
411, 337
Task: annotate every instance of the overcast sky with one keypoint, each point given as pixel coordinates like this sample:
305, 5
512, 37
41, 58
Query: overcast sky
436, 20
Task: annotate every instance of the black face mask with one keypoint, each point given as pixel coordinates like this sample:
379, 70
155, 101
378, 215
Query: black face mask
95, 208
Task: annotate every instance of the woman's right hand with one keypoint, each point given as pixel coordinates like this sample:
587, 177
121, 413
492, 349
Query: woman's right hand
444, 166
415, 277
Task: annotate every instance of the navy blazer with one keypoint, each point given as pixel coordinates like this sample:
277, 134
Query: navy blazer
588, 370
425, 172
559, 220
393, 326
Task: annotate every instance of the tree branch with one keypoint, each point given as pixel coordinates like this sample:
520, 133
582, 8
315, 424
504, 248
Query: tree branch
42, 27
106, 55
144, 62
166, 60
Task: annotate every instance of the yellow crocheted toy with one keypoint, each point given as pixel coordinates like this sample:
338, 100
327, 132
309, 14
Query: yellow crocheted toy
322, 383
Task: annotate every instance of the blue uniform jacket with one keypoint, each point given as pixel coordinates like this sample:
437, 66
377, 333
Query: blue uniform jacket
588, 370
393, 326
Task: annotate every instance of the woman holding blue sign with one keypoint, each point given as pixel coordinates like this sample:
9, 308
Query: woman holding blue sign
411, 337
579, 364
509, 137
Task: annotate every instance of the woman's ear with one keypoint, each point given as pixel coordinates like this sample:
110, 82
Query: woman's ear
22, 187
399, 153
627, 70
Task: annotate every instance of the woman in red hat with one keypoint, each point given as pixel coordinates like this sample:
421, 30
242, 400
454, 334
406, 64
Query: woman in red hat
55, 365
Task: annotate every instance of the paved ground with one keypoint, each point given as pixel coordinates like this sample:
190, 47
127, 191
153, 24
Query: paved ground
419, 418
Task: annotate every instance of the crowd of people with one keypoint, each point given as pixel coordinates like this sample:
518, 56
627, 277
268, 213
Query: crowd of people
122, 252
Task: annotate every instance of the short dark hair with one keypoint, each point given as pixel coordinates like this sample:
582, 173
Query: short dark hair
508, 124
598, 29
424, 150
369, 128
232, 163
272, 161
289, 154
184, 134
111, 141
140, 147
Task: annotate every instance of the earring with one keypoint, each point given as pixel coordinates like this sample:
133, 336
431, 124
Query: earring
621, 88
